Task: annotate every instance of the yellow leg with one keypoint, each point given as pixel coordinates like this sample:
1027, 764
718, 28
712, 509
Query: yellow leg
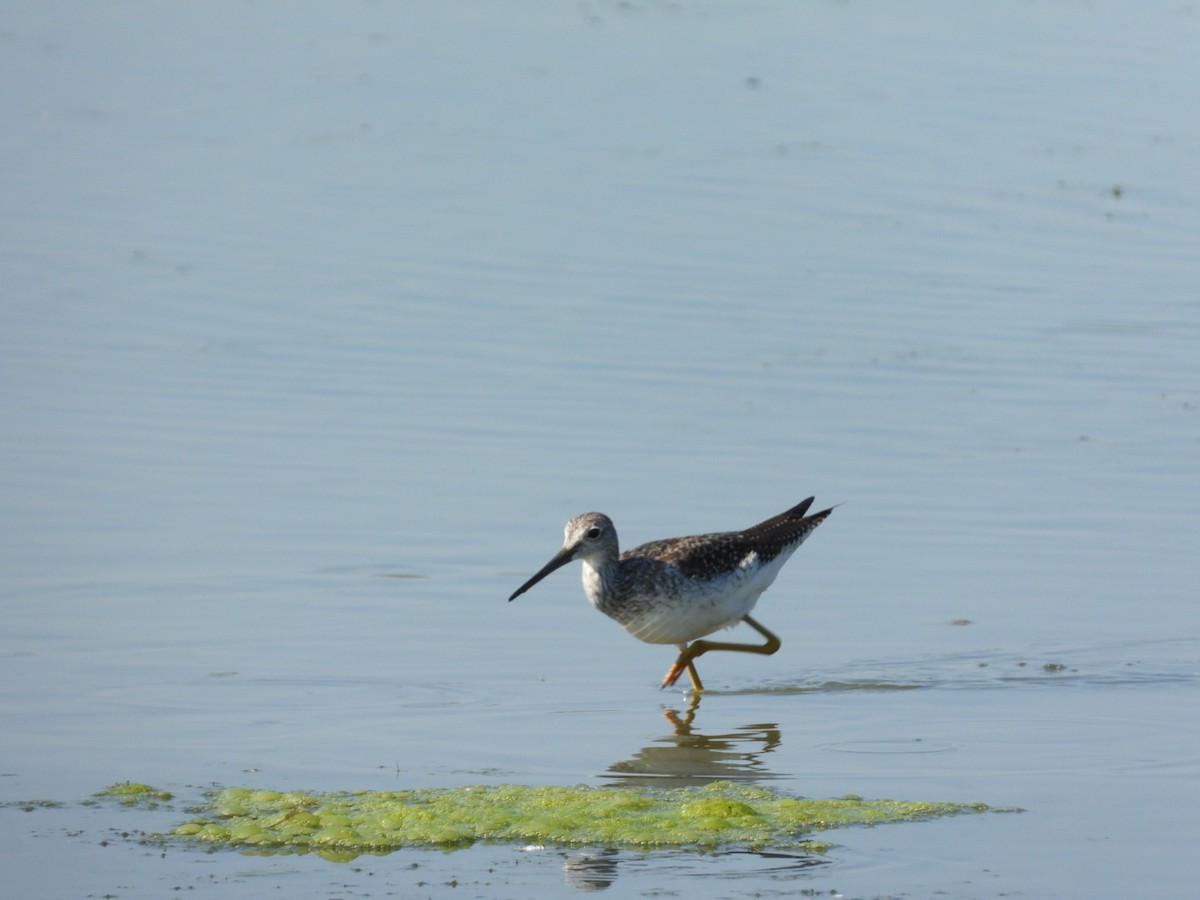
682, 664
689, 652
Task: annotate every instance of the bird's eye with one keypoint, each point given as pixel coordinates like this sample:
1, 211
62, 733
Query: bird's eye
593, 532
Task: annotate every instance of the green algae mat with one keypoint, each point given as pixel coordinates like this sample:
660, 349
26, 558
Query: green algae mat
342, 825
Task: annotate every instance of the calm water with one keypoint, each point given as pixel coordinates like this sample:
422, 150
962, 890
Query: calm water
318, 323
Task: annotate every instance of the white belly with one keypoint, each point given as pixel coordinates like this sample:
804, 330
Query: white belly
694, 609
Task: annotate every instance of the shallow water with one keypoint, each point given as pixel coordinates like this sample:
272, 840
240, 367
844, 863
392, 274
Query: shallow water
317, 327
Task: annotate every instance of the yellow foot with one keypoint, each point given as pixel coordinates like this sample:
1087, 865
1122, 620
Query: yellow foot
673, 674
681, 666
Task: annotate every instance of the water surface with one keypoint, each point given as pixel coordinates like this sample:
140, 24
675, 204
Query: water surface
318, 324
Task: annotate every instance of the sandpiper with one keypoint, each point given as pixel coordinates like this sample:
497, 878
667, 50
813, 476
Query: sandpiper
680, 589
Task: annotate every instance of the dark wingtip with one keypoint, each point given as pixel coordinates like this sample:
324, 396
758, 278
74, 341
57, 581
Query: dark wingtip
826, 512
819, 517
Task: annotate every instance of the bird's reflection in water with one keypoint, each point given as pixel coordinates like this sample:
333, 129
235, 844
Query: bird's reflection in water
593, 870
687, 756
597, 870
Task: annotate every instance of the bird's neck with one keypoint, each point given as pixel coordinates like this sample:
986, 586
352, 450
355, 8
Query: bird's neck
599, 580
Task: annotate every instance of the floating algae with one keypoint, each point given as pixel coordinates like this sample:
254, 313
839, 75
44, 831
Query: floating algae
130, 794
31, 805
341, 825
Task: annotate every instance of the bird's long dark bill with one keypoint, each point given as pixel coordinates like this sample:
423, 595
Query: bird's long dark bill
561, 559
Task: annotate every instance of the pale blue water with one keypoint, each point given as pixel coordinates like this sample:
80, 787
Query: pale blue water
296, 300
